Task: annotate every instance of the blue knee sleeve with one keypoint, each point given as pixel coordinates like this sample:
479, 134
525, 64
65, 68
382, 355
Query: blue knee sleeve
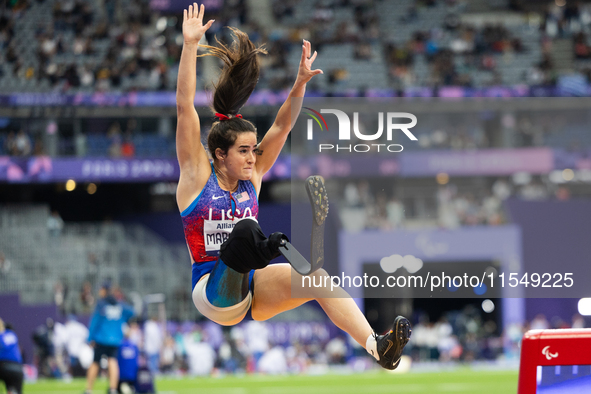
226, 287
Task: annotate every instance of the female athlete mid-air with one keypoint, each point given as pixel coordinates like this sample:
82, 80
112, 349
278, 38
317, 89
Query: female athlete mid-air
218, 199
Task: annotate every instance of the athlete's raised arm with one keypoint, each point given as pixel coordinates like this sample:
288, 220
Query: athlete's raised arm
273, 141
191, 154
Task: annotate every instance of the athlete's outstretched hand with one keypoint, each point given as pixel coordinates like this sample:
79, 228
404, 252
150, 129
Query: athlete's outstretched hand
305, 72
193, 27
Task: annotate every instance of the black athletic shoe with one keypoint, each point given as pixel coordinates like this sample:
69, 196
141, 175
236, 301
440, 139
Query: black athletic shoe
390, 345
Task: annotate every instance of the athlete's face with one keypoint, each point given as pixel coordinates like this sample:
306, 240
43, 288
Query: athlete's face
241, 156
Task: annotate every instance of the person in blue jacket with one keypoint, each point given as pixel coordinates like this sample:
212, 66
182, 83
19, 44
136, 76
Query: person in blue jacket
106, 335
127, 359
11, 361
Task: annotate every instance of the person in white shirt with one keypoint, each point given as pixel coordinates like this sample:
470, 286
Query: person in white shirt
76, 335
153, 340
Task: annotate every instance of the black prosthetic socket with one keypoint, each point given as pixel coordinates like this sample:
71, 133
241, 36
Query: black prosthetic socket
270, 246
248, 248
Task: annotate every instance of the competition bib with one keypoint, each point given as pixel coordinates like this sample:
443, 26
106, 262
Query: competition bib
215, 232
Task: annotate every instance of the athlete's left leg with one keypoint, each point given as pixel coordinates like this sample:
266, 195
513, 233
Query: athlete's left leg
272, 295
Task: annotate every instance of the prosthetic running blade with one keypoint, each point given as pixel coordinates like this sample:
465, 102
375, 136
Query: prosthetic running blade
319, 201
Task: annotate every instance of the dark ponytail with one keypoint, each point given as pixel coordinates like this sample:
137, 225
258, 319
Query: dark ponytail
237, 81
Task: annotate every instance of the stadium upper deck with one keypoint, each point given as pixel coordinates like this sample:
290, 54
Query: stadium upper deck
77, 46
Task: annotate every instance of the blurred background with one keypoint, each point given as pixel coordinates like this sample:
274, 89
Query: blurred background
502, 167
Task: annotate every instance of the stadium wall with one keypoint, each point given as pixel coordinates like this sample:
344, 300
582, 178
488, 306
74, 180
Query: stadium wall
555, 236
25, 319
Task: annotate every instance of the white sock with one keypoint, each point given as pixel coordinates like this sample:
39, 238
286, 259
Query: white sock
371, 345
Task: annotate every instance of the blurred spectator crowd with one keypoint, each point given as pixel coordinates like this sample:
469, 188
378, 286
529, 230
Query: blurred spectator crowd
205, 348
145, 137
77, 46
466, 337
367, 204
83, 46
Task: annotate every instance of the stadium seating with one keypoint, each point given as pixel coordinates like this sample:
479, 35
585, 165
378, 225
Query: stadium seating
151, 63
131, 256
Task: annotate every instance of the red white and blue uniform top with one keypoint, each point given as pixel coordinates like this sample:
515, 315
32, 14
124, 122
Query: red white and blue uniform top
210, 218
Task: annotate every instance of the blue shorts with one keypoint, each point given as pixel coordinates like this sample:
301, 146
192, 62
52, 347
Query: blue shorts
200, 269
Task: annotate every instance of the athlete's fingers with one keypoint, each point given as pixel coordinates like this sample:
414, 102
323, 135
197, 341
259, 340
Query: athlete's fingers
190, 11
313, 57
184, 15
303, 54
201, 11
